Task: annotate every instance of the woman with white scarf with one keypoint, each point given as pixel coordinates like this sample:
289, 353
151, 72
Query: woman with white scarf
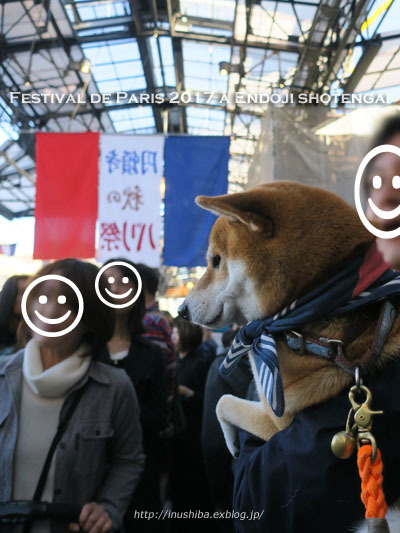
98, 460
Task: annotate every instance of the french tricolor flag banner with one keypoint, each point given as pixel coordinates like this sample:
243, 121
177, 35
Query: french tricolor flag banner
99, 195
131, 168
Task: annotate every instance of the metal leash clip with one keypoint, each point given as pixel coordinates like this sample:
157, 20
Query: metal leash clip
363, 418
344, 443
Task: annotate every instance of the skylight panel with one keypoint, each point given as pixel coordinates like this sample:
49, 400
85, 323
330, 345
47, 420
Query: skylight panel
86, 13
125, 51
127, 69
133, 84
109, 86
213, 9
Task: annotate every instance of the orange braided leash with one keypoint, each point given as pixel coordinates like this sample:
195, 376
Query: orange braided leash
371, 476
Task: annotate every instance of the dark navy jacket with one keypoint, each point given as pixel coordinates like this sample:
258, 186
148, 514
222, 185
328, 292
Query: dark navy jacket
299, 484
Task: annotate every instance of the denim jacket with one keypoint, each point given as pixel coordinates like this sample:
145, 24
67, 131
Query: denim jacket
100, 456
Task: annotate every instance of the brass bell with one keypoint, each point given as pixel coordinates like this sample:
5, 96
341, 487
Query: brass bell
343, 444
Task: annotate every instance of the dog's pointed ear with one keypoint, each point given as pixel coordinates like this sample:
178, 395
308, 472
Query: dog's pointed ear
237, 208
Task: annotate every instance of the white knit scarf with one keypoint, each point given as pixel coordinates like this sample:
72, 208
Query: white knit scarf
56, 380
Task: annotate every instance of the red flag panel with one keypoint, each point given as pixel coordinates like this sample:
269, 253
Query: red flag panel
66, 195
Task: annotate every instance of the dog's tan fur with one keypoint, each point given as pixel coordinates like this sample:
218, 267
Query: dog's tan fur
276, 242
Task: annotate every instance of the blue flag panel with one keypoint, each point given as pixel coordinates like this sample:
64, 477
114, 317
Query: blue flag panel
193, 166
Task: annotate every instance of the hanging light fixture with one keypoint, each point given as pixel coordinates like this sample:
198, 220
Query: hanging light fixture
226, 68
83, 66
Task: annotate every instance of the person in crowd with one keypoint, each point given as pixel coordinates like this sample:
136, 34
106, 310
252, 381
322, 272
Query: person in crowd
143, 363
158, 331
10, 312
99, 459
227, 338
385, 192
188, 481
208, 346
217, 459
169, 319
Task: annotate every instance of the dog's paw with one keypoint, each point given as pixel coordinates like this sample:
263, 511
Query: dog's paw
230, 431
231, 434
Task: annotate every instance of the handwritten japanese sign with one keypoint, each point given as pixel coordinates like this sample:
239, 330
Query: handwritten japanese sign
130, 173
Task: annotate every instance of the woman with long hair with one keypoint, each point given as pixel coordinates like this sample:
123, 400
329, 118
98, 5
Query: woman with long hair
10, 312
143, 363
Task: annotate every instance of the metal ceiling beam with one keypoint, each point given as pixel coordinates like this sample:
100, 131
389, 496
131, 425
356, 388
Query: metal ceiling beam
102, 23
85, 3
210, 23
6, 163
19, 169
180, 78
25, 213
178, 59
307, 70
387, 36
45, 44
25, 199
147, 62
165, 111
242, 53
230, 116
370, 52
11, 190
352, 29
6, 213
15, 176
283, 46
68, 41
298, 2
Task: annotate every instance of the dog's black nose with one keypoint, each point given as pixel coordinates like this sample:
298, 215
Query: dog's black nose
183, 311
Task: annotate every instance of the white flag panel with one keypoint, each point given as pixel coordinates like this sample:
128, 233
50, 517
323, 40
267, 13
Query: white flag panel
130, 172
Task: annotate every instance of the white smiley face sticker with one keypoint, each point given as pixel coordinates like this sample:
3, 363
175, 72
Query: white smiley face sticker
111, 280
377, 184
43, 300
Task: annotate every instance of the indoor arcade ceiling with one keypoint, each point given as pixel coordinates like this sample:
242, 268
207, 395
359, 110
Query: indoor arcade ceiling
202, 48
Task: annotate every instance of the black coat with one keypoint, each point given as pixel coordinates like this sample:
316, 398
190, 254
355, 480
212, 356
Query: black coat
192, 372
217, 458
144, 364
188, 481
295, 480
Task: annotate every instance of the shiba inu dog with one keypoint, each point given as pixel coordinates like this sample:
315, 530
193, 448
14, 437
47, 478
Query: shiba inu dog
271, 245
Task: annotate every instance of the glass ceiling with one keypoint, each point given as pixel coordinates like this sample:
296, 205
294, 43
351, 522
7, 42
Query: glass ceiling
177, 46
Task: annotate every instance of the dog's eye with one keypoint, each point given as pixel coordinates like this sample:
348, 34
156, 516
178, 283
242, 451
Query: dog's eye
216, 261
